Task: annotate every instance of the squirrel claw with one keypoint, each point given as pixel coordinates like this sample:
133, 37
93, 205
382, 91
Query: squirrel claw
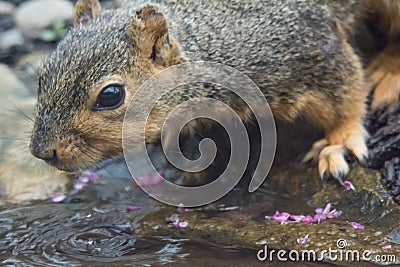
313, 154
333, 163
324, 177
339, 177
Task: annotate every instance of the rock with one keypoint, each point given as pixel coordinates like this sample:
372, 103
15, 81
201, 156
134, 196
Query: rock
24, 178
35, 15
6, 15
255, 234
11, 86
384, 143
11, 38
6, 8
384, 130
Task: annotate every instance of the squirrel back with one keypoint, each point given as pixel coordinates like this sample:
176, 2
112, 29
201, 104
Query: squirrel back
288, 37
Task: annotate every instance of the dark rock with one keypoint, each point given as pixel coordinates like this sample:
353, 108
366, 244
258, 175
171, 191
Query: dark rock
384, 146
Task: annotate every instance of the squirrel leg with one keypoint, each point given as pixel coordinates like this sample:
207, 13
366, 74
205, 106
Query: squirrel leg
329, 152
349, 136
381, 19
344, 131
384, 74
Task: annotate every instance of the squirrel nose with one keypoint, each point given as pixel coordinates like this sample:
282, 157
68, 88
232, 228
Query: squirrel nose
46, 154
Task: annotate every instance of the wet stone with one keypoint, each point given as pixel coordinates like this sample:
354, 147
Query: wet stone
394, 236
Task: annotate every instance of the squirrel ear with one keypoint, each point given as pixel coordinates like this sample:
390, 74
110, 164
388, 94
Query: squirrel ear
150, 21
86, 10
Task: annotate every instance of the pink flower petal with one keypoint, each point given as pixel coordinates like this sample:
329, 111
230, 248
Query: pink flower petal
91, 176
181, 208
58, 197
321, 214
179, 224
319, 210
133, 208
84, 179
308, 219
319, 217
183, 224
302, 240
334, 214
78, 185
387, 247
151, 179
327, 209
281, 217
348, 186
357, 225
297, 218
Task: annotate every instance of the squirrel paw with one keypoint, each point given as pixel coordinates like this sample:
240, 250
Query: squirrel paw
331, 151
384, 73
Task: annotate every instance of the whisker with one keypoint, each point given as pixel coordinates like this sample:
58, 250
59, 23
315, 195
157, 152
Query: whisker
94, 150
27, 163
15, 150
20, 111
12, 138
31, 74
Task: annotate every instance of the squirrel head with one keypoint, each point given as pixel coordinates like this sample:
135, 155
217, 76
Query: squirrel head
87, 82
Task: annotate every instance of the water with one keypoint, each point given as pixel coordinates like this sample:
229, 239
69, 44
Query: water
88, 228
76, 235
93, 228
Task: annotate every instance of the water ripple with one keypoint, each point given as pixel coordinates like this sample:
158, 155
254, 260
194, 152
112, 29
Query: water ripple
62, 235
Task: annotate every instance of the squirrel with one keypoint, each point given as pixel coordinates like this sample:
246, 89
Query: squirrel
306, 57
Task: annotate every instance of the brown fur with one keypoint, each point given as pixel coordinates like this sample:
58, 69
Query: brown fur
328, 88
383, 21
86, 11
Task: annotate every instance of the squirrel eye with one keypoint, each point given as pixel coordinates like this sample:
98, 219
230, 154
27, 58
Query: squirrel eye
111, 97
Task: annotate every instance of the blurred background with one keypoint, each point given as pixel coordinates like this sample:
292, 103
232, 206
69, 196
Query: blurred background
29, 31
29, 26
